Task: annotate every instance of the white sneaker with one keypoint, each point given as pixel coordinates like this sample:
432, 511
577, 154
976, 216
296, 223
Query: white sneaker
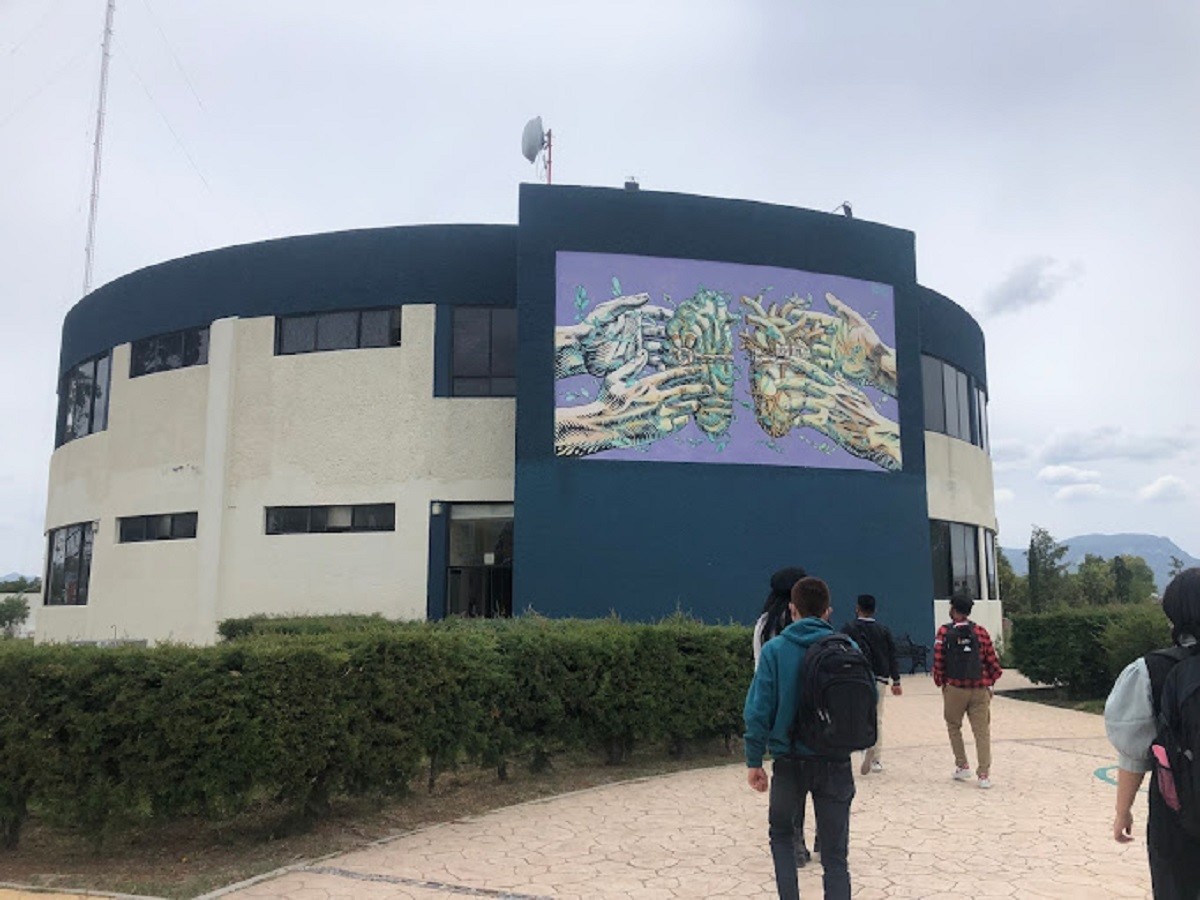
876, 767
962, 774
985, 783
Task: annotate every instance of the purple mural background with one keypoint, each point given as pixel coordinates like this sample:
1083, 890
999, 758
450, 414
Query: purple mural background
678, 279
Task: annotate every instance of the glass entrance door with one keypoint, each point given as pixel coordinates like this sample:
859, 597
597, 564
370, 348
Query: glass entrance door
479, 575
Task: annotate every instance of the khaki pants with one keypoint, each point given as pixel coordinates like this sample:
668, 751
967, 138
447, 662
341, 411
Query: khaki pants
876, 752
977, 704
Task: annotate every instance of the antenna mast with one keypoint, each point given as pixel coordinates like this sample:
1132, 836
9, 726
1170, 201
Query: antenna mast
105, 54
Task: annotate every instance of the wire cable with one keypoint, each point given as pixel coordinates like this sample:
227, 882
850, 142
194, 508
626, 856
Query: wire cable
174, 55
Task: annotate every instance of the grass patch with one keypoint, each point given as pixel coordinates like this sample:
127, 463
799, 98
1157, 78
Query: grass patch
190, 857
1055, 696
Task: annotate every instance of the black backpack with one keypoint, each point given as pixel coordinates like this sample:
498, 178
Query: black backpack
1175, 689
960, 651
875, 655
836, 713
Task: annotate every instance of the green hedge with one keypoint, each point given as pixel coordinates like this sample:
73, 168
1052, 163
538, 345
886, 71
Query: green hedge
1084, 650
95, 738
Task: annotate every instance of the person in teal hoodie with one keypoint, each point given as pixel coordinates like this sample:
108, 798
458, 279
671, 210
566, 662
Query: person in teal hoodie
771, 705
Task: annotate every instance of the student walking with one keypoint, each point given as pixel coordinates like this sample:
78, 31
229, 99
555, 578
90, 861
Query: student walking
771, 707
1150, 685
965, 667
777, 615
875, 641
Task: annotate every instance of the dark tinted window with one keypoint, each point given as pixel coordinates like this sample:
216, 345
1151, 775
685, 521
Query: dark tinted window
317, 519
297, 334
989, 552
162, 527
935, 404
484, 356
287, 519
132, 529
69, 566
964, 406
337, 331
346, 330
954, 552
83, 400
183, 525
939, 542
950, 392
164, 352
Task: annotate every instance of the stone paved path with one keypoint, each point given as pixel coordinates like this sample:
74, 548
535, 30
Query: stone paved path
1043, 831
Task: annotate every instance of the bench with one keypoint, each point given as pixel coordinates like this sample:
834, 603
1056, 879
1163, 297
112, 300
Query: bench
916, 654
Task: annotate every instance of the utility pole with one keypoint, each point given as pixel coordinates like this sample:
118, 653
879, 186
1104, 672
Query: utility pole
105, 54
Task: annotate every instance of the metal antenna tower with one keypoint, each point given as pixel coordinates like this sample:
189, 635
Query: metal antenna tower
105, 54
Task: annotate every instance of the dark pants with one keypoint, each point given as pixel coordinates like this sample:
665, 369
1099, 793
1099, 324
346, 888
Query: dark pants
1174, 854
831, 784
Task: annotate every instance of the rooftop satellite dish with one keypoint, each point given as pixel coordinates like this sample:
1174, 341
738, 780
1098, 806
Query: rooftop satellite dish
534, 140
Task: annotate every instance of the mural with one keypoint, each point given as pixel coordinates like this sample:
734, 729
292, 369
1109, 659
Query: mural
679, 360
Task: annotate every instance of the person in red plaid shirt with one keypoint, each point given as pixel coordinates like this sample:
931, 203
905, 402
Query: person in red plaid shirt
965, 667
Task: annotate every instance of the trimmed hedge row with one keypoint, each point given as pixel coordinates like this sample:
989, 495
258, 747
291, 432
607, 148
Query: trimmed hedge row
96, 738
1084, 650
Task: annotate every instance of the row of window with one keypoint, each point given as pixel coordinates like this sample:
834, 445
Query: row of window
954, 402
483, 356
70, 547
954, 550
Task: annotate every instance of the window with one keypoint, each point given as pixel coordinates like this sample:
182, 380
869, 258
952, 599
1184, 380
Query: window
989, 552
164, 352
954, 554
347, 330
326, 519
955, 405
479, 570
69, 565
83, 400
484, 356
165, 527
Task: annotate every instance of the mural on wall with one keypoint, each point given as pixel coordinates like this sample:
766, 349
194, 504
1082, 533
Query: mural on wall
680, 360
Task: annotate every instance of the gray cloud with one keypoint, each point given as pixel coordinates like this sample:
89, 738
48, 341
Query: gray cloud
1165, 489
1113, 442
1033, 282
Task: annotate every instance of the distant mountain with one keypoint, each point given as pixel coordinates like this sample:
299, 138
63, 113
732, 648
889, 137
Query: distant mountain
13, 576
1156, 551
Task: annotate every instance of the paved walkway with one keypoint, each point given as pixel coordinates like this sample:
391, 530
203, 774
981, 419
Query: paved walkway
1043, 831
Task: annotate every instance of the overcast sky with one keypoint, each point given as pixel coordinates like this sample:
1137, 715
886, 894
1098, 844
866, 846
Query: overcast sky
1045, 154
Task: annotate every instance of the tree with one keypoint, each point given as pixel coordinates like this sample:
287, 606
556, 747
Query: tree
13, 613
1177, 566
1013, 589
1045, 570
20, 585
1095, 584
1133, 579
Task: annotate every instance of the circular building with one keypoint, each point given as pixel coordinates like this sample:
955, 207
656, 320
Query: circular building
629, 402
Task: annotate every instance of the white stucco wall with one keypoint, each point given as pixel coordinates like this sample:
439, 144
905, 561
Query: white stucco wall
959, 488
252, 430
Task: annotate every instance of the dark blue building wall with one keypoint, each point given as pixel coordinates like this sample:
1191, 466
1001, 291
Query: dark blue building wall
950, 333
642, 539
375, 267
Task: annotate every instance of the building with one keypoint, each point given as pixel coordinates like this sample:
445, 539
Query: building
668, 396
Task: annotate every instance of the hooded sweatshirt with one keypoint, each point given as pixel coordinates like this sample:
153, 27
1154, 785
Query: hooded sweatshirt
772, 700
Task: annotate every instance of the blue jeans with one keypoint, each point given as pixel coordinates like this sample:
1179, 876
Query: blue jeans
831, 784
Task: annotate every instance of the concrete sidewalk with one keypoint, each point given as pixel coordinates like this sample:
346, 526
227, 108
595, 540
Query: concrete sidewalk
1043, 831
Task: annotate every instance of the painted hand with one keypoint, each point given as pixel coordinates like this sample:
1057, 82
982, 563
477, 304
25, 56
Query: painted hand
610, 336
840, 411
630, 413
701, 332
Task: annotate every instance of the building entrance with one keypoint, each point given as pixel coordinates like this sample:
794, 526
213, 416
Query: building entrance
479, 574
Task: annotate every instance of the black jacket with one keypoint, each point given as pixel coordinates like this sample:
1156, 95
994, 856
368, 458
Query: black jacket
877, 644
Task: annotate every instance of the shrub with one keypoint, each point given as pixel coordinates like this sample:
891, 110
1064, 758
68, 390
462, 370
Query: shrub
303, 711
1084, 650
